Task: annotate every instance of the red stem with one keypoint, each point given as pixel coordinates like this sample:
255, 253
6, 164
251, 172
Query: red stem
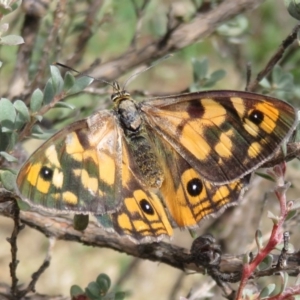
276, 234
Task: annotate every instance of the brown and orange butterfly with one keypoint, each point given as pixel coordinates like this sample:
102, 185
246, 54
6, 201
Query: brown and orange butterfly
143, 168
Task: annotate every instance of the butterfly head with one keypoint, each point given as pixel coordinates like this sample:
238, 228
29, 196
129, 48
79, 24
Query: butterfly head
119, 93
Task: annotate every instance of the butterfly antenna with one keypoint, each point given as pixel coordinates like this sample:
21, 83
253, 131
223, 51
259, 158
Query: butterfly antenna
144, 70
83, 74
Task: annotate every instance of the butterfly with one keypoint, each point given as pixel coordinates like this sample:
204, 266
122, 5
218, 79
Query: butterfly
143, 168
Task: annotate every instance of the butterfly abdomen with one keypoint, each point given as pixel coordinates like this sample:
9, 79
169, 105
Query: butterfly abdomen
146, 160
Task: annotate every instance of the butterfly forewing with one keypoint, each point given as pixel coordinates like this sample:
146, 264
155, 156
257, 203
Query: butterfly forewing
78, 169
224, 135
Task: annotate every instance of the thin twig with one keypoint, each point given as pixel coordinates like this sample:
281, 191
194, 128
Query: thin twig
274, 59
14, 249
139, 12
186, 34
34, 12
62, 228
35, 276
57, 23
87, 32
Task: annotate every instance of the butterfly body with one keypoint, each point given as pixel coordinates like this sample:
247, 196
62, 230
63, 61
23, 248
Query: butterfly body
138, 141
143, 168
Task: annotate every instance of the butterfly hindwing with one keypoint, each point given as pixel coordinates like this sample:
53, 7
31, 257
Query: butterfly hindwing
223, 134
188, 197
141, 216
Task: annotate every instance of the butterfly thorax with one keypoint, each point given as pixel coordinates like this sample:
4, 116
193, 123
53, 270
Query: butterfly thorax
139, 143
129, 116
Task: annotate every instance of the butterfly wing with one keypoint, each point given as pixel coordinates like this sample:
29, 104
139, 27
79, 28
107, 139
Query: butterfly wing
224, 135
141, 215
188, 197
78, 169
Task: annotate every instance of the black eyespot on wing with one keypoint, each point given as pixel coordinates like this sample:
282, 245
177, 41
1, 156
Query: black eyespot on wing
46, 173
146, 207
256, 117
194, 187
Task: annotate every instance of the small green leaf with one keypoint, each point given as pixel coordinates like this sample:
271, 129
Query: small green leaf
296, 204
38, 117
120, 295
22, 109
48, 92
56, 79
200, 69
7, 7
64, 105
274, 218
276, 74
11, 40
267, 291
216, 76
293, 8
15, 4
80, 222
291, 214
258, 239
20, 122
265, 176
246, 258
7, 111
266, 263
105, 221
36, 100
69, 81
7, 126
234, 27
192, 233
104, 283
8, 180
76, 290
80, 84
286, 82
37, 129
23, 205
41, 136
8, 157
4, 140
92, 290
13, 139
284, 276
265, 83
4, 9
38, 133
